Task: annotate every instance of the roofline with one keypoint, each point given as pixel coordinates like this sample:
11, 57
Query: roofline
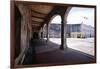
74, 24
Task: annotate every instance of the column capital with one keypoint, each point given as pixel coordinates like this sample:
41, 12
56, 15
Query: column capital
63, 21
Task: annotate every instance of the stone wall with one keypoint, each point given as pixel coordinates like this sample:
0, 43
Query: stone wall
26, 30
25, 25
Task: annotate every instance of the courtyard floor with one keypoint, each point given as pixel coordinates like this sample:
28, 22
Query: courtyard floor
79, 51
85, 45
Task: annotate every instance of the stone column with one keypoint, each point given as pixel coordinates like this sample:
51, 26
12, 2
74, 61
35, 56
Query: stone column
47, 34
63, 34
39, 35
42, 32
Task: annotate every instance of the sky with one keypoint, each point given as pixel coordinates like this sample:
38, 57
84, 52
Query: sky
78, 15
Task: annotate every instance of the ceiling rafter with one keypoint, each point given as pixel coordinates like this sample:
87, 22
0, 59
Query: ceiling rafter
38, 17
38, 12
36, 22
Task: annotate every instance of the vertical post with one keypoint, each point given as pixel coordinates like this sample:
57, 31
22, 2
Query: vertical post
47, 35
42, 32
63, 34
39, 34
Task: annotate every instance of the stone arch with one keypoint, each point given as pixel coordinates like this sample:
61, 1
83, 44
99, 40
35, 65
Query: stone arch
63, 14
53, 18
63, 27
49, 22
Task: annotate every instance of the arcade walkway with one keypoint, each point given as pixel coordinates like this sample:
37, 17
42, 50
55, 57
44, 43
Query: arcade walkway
49, 53
28, 22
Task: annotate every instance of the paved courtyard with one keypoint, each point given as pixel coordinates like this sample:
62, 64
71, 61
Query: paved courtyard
43, 52
85, 45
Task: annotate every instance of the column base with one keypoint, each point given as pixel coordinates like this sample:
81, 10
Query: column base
47, 41
62, 47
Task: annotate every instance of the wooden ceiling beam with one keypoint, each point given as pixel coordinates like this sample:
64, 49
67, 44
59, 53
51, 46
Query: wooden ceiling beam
38, 17
36, 22
36, 25
38, 12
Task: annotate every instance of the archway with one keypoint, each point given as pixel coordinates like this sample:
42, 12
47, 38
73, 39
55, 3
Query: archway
55, 29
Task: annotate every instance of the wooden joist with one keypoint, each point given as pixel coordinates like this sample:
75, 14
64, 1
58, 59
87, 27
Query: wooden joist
38, 17
38, 12
36, 22
37, 25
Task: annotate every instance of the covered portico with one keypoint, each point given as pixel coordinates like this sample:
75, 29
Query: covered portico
30, 19
40, 14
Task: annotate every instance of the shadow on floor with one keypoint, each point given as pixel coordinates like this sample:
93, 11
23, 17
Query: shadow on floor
30, 57
41, 52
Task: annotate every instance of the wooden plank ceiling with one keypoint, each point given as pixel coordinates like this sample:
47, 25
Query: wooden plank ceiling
39, 14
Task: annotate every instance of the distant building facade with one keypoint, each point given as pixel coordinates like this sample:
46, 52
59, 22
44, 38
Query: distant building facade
72, 31
79, 31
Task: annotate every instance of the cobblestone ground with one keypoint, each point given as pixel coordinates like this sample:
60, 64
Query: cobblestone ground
85, 45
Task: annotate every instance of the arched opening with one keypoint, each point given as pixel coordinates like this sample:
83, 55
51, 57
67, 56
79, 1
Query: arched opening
55, 29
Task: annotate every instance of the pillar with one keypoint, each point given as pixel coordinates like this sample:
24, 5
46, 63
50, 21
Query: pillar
47, 34
42, 34
39, 34
63, 34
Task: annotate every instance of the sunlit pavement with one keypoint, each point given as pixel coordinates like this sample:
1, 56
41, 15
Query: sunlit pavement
85, 45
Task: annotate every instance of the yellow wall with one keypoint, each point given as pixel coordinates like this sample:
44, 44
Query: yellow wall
77, 34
